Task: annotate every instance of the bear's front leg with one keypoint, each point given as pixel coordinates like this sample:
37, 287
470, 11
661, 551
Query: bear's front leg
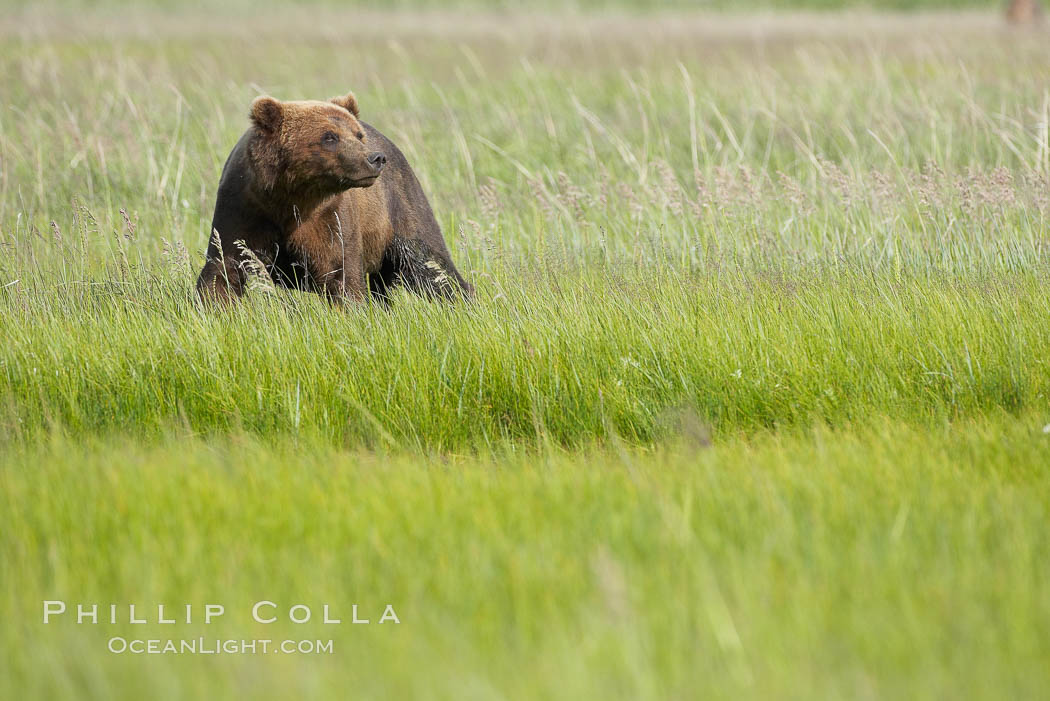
332, 255
344, 285
428, 272
222, 278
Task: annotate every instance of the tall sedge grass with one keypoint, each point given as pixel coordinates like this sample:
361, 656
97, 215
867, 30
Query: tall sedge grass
820, 231
565, 357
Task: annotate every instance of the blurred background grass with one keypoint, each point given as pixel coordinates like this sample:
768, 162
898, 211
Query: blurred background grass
523, 5
882, 560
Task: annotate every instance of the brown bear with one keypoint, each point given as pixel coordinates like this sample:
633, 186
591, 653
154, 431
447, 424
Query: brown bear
318, 200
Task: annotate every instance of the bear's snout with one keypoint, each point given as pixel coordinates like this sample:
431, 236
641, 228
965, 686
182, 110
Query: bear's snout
377, 160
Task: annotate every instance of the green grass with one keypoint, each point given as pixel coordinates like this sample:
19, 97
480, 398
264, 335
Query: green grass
603, 355
887, 561
751, 402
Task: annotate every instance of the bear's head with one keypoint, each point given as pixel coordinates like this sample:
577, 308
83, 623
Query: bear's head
311, 146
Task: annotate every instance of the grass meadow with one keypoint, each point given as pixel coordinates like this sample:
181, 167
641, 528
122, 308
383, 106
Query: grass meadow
753, 401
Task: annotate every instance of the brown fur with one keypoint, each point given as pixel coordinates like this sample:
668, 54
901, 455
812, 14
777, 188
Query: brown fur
1023, 11
328, 204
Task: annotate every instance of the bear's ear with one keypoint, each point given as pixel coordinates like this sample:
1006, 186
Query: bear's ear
267, 114
348, 102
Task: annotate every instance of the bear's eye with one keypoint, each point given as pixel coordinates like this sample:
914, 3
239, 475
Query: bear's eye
360, 136
330, 137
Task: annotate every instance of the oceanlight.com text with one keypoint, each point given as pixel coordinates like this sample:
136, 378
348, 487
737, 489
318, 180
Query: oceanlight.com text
216, 646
